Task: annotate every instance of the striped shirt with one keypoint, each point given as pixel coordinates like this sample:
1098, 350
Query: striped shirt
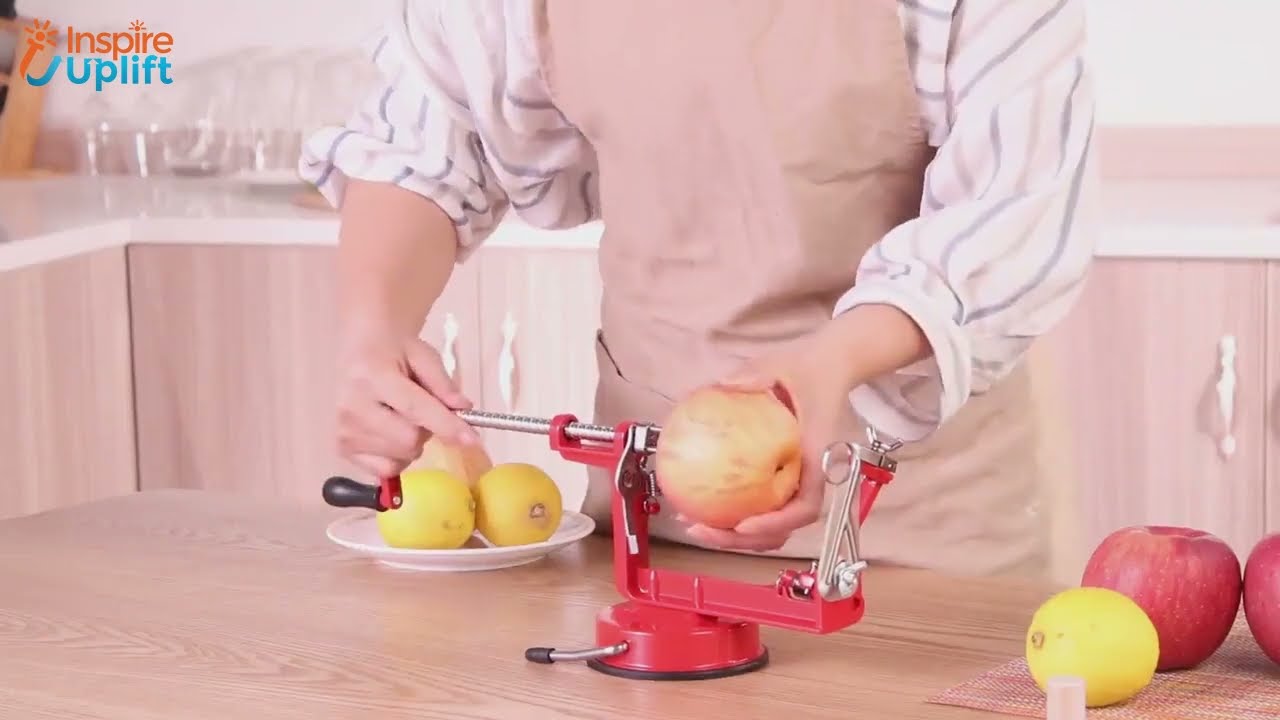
1008, 216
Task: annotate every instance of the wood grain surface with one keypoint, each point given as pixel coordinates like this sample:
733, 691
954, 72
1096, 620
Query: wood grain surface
66, 384
234, 351
186, 604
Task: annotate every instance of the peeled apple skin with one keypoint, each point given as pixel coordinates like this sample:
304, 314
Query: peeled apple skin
725, 455
465, 462
1262, 595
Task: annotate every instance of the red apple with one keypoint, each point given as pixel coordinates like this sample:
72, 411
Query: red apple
1188, 582
1262, 595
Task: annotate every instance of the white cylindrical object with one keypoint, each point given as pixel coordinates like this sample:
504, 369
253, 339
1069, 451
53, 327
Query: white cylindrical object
507, 363
448, 353
1065, 699
1226, 387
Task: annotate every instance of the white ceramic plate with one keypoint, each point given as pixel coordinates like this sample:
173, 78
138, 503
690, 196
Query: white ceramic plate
360, 534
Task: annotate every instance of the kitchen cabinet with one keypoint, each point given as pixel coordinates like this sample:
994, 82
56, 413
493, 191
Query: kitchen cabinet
66, 384
1271, 393
234, 350
1160, 370
539, 311
454, 329
212, 366
1057, 466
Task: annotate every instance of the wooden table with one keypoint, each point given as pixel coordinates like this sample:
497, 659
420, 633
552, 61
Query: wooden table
180, 604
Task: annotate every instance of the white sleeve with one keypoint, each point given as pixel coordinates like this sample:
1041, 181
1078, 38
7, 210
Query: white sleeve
461, 117
1008, 219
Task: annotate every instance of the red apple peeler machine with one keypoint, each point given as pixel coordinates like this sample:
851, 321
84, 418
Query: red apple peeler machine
680, 626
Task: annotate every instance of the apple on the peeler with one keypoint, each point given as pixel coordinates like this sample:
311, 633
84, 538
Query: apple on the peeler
1188, 581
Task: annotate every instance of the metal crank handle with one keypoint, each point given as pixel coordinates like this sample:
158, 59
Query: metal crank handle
547, 656
534, 425
580, 442
847, 466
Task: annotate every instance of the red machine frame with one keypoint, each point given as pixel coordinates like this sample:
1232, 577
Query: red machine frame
676, 625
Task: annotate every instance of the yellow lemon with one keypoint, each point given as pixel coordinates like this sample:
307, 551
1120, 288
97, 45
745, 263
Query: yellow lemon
1098, 635
516, 504
438, 513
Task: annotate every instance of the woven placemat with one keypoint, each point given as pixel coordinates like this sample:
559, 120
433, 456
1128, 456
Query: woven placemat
1237, 683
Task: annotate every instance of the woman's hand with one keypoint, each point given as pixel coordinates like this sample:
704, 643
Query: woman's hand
817, 373
821, 404
393, 395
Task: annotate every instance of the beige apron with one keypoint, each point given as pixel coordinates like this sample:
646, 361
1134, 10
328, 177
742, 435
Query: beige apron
750, 153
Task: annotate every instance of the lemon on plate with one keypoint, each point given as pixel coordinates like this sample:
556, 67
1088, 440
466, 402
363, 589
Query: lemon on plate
517, 504
437, 513
1095, 634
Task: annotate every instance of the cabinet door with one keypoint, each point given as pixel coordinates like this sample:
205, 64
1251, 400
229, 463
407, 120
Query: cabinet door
453, 328
1160, 368
1273, 398
235, 350
540, 309
66, 391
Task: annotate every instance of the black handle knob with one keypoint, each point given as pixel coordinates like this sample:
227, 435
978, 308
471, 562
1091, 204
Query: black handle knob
540, 655
344, 492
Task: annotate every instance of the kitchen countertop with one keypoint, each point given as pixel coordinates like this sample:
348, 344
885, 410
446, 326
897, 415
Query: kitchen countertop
136, 606
47, 219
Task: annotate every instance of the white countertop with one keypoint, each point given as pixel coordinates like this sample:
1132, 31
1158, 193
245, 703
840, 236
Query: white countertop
44, 220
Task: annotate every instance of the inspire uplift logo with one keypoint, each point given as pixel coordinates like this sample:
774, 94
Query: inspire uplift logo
133, 57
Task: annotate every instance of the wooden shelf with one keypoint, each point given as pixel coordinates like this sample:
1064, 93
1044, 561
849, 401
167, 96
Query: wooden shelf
12, 27
23, 106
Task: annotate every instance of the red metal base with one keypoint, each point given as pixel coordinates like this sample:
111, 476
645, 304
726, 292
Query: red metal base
667, 644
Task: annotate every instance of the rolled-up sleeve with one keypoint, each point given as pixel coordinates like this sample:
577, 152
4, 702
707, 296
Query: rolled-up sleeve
459, 116
1008, 218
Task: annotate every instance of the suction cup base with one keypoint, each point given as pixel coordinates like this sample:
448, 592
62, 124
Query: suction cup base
681, 675
667, 644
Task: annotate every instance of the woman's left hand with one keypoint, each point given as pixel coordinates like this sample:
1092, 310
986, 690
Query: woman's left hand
816, 388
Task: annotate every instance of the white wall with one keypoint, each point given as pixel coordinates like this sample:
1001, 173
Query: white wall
1160, 62
1187, 62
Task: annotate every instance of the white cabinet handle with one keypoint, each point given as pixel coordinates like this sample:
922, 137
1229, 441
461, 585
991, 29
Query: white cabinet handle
1227, 393
507, 363
448, 350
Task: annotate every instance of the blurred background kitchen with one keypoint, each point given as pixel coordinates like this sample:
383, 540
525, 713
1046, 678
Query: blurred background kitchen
166, 289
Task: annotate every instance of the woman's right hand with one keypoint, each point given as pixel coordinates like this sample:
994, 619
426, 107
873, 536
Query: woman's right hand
394, 395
